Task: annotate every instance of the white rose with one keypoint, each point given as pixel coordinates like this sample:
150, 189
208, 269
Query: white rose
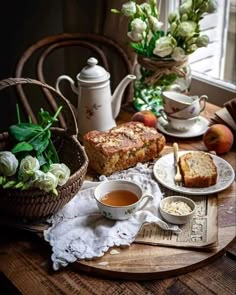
136, 37
128, 8
186, 7
184, 17
202, 41
28, 166
45, 181
155, 24
146, 7
173, 27
192, 48
178, 54
8, 163
61, 171
164, 46
173, 16
187, 28
138, 26
212, 6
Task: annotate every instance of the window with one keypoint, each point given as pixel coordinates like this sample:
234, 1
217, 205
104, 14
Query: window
213, 66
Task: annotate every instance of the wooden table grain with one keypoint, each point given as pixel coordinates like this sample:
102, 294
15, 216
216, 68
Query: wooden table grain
25, 266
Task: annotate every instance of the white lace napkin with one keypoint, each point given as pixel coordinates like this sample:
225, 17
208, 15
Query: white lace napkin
79, 231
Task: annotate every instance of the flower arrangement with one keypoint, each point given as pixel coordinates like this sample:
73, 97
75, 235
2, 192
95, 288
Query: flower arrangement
163, 54
33, 161
183, 36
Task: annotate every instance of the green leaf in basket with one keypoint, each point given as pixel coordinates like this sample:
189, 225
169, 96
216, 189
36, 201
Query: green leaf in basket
41, 142
45, 167
3, 180
44, 118
22, 147
52, 153
24, 131
42, 160
9, 184
35, 140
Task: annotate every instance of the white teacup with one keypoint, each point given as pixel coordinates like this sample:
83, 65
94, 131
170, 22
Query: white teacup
179, 124
120, 199
193, 110
175, 101
183, 106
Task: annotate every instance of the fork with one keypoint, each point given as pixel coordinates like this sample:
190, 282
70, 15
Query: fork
178, 177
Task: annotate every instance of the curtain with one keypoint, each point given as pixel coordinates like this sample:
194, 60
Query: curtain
95, 16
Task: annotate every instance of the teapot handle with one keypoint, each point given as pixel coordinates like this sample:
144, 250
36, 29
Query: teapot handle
69, 79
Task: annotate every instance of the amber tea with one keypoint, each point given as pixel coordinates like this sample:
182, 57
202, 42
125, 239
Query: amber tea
119, 198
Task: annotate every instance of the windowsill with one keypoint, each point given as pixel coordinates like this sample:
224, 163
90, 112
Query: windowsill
218, 91
214, 81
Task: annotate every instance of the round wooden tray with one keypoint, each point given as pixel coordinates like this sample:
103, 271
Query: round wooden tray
143, 262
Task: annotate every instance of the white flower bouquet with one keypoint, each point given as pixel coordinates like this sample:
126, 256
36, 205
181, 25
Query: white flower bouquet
42, 166
182, 37
33, 161
163, 55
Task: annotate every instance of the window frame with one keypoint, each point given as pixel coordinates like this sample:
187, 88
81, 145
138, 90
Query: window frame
223, 91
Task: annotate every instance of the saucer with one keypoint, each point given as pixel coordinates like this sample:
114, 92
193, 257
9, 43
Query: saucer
198, 128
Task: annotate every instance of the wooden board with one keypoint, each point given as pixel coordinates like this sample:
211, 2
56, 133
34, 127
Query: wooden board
143, 262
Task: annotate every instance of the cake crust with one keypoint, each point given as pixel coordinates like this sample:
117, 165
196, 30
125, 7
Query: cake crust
122, 147
198, 169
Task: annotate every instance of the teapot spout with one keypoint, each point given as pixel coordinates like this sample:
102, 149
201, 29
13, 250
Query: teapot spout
118, 93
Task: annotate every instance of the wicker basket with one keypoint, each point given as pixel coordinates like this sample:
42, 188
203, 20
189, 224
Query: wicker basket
35, 203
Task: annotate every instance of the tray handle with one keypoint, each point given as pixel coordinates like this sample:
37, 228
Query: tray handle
71, 123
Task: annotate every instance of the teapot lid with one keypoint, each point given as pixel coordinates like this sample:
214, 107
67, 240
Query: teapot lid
93, 72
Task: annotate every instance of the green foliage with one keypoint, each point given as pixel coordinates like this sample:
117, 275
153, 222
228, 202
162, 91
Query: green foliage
24, 131
35, 139
22, 147
152, 43
147, 97
138, 48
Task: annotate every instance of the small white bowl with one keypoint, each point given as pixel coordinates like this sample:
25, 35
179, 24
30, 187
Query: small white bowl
173, 217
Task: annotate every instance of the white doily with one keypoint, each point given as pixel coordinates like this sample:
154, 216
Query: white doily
79, 231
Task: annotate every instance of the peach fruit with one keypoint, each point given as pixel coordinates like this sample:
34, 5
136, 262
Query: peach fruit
148, 118
218, 138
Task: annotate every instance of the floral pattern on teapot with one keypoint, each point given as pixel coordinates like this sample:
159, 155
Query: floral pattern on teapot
90, 110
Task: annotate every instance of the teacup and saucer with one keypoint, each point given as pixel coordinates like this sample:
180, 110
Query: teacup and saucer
181, 112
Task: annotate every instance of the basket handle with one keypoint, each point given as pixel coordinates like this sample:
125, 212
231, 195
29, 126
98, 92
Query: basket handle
71, 123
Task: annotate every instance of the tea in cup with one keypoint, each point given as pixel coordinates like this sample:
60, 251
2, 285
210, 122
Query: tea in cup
177, 123
120, 199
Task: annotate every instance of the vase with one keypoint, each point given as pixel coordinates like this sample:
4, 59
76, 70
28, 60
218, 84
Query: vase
155, 75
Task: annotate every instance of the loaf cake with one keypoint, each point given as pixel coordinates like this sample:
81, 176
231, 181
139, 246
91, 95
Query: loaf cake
197, 169
122, 147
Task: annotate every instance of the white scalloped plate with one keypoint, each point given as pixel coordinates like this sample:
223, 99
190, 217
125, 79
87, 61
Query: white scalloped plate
164, 172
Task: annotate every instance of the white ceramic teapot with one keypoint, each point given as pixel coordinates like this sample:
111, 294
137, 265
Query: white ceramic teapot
97, 108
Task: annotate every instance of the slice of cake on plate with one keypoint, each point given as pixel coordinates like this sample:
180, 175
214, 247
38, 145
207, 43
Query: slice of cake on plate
198, 169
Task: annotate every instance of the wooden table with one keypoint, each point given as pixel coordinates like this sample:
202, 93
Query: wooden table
25, 259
